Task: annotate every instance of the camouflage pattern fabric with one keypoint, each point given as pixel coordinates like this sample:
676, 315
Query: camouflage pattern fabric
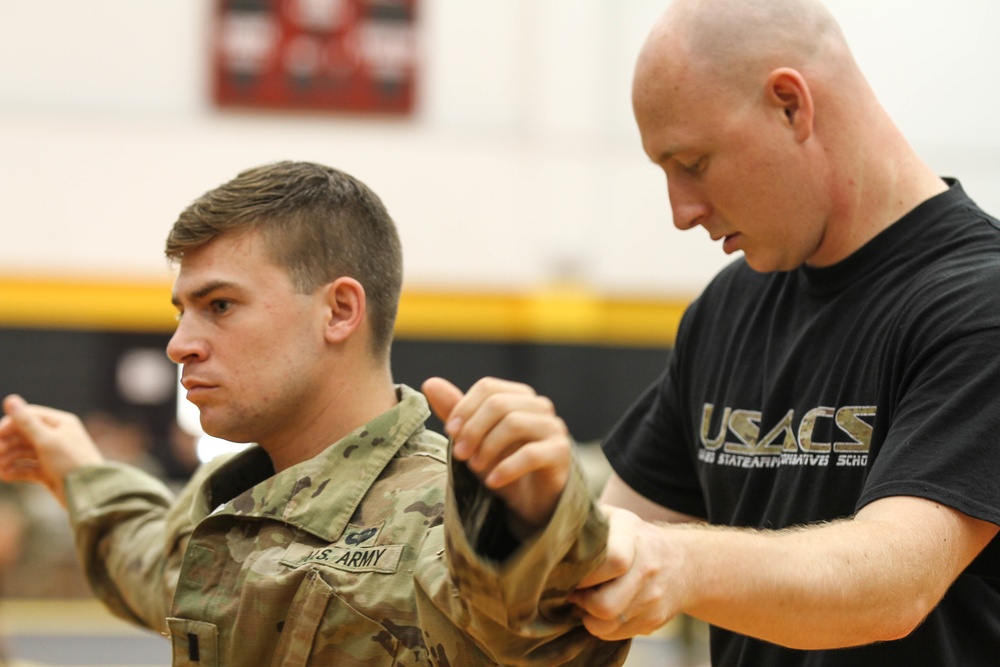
339, 560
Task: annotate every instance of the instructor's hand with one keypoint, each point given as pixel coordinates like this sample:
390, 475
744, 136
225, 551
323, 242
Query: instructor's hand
638, 587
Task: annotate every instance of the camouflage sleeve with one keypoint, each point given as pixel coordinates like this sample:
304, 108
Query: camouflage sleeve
130, 538
514, 610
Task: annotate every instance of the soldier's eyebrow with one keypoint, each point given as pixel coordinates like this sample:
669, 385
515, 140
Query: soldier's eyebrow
202, 291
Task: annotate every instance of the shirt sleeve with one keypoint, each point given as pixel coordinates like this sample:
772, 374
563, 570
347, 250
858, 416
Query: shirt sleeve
941, 440
130, 538
516, 609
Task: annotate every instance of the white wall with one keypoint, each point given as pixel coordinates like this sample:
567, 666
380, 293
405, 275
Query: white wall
521, 164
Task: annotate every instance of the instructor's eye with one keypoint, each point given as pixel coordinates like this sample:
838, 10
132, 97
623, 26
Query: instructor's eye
694, 167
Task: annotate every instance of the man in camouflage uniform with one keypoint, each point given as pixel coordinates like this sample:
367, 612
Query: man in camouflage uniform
367, 551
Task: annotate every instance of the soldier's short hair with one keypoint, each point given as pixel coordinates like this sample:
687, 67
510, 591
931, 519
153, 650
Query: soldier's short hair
317, 222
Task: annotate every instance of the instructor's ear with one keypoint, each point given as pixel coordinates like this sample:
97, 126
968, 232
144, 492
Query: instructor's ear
346, 308
788, 92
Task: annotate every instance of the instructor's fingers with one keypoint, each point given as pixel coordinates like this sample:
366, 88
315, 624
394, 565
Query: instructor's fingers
621, 550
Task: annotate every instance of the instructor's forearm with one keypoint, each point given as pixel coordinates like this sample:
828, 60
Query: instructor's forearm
808, 589
840, 584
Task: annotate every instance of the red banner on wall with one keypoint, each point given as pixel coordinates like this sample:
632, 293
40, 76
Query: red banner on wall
350, 55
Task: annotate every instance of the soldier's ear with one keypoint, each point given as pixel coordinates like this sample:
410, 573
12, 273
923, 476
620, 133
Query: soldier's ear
345, 308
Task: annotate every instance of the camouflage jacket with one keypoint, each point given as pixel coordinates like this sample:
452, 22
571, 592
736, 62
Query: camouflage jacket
339, 560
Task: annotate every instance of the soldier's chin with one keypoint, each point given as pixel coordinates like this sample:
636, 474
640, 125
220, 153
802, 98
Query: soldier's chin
220, 432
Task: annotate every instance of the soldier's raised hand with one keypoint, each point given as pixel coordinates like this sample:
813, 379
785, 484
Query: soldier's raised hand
41, 445
511, 438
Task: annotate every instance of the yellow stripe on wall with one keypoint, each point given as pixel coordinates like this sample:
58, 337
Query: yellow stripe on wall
86, 304
550, 316
563, 316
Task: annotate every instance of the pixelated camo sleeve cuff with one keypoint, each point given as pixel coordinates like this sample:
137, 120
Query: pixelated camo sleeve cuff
90, 490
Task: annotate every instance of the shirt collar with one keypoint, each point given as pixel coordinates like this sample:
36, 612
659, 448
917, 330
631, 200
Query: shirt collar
334, 480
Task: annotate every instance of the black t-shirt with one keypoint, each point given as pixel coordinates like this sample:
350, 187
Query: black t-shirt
798, 397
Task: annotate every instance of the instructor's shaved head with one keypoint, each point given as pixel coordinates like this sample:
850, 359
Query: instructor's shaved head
733, 45
735, 37
769, 135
